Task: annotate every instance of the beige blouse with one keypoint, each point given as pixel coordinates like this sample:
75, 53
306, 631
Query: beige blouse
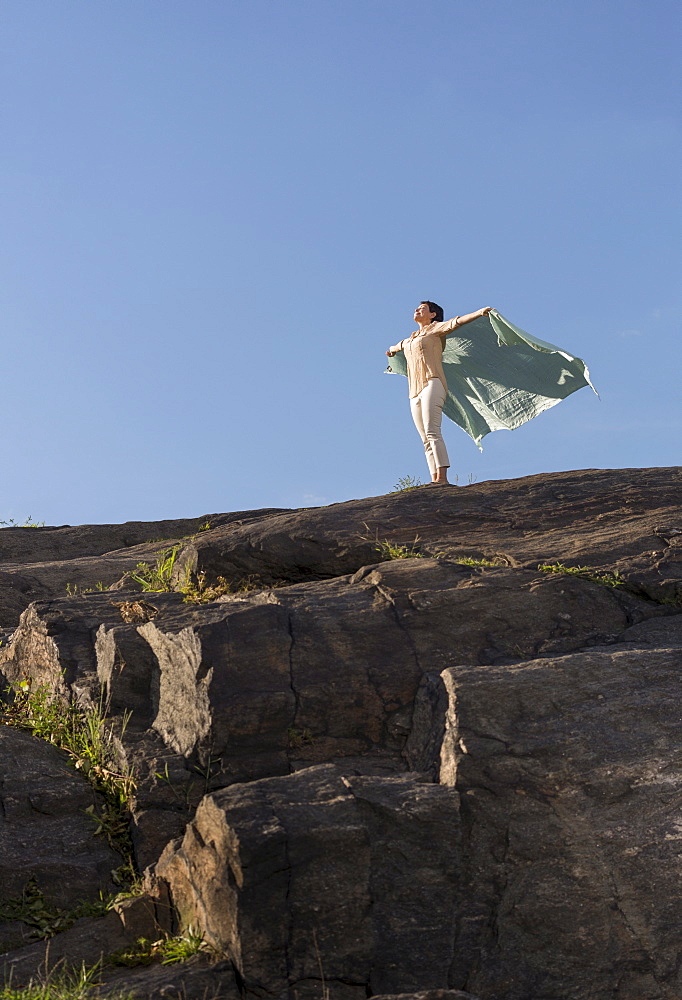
423, 353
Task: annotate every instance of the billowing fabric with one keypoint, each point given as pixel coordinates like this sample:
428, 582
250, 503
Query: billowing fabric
499, 377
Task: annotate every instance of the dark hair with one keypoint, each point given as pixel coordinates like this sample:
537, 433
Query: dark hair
434, 308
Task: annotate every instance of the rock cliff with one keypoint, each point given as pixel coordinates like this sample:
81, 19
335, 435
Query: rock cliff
426, 743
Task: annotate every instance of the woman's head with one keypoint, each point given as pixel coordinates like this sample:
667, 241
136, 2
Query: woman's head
432, 313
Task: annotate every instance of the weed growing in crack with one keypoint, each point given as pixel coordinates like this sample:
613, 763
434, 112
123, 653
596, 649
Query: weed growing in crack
47, 919
75, 590
390, 550
181, 792
44, 918
586, 572
467, 561
168, 950
156, 577
202, 592
325, 989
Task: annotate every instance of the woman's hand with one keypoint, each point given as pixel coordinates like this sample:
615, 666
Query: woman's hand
390, 354
485, 310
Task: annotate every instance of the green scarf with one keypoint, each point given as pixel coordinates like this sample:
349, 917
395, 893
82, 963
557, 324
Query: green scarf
499, 376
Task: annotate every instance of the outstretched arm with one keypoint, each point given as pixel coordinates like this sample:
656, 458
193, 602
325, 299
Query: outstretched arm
452, 324
394, 350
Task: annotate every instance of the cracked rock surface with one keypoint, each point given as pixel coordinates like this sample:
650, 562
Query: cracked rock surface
618, 520
366, 866
570, 772
412, 777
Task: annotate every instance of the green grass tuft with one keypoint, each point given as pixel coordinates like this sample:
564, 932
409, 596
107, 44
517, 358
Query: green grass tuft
407, 483
468, 561
390, 550
156, 577
76, 984
585, 572
168, 950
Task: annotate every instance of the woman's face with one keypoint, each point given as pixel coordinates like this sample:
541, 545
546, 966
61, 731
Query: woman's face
423, 314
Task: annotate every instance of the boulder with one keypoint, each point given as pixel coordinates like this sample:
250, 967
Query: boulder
316, 881
570, 773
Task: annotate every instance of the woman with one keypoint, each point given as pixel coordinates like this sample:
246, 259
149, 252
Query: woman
426, 379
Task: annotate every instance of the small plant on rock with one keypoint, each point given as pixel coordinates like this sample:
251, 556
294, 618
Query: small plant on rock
468, 561
75, 589
202, 592
391, 550
407, 483
168, 950
156, 577
297, 738
44, 918
28, 523
586, 572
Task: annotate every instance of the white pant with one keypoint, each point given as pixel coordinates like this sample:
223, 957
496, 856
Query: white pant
427, 413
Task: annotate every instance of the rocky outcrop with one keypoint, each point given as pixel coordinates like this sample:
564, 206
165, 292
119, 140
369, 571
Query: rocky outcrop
369, 775
45, 562
260, 684
624, 521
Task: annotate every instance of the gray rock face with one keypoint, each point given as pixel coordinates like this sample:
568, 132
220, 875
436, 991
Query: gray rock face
364, 866
261, 684
625, 521
570, 771
412, 777
45, 835
39, 563
49, 544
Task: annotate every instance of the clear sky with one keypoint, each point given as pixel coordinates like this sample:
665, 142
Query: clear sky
218, 214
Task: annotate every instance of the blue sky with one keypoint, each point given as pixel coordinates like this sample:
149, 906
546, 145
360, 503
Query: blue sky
218, 214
